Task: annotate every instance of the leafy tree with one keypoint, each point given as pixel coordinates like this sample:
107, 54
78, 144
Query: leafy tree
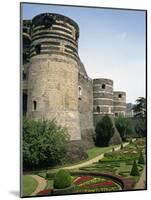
140, 127
123, 126
140, 108
134, 170
62, 179
44, 143
104, 131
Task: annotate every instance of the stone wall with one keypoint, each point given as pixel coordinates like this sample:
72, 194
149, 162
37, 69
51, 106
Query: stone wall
85, 104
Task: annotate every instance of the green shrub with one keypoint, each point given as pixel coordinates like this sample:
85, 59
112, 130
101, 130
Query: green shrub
44, 143
134, 170
113, 149
141, 159
131, 142
62, 179
122, 146
124, 126
50, 175
104, 131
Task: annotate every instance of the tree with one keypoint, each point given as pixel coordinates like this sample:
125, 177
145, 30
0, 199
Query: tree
123, 126
44, 143
104, 131
134, 171
139, 110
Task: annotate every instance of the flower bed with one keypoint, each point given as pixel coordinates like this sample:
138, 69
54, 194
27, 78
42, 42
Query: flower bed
82, 179
45, 192
95, 184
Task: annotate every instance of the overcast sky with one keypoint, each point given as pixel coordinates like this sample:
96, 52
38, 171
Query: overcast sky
111, 43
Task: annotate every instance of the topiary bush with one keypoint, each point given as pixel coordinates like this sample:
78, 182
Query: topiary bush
134, 171
122, 146
141, 159
62, 179
104, 131
113, 149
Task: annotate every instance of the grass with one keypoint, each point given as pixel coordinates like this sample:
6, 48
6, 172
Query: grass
96, 151
29, 185
49, 184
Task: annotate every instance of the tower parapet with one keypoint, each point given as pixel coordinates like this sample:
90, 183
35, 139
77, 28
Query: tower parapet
54, 34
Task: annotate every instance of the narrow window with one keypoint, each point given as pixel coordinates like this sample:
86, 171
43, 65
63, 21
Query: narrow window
103, 86
38, 48
35, 105
25, 97
98, 109
119, 96
80, 92
116, 114
24, 76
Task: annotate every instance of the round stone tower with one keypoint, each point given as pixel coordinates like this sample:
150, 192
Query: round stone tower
119, 103
53, 72
103, 104
102, 98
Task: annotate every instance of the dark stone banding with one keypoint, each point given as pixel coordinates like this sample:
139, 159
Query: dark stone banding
58, 53
103, 80
39, 20
47, 33
56, 37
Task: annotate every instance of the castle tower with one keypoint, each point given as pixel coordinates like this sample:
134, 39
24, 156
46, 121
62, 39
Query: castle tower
102, 98
103, 104
119, 103
53, 71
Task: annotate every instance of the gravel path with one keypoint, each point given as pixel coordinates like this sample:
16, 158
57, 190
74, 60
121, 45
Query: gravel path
141, 183
96, 159
41, 184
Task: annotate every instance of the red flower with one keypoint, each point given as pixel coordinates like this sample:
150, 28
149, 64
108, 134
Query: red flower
45, 192
106, 183
82, 179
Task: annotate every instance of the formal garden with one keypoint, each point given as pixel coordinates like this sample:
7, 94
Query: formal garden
118, 170
106, 168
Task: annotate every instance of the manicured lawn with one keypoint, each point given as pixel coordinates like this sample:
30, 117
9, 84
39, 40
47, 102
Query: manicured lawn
29, 185
49, 184
96, 151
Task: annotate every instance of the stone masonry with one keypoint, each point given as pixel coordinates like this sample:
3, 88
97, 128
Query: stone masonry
55, 82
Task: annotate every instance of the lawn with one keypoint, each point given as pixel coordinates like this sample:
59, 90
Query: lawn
29, 185
96, 151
